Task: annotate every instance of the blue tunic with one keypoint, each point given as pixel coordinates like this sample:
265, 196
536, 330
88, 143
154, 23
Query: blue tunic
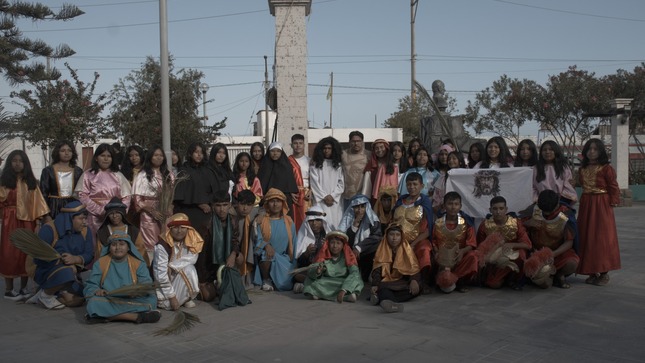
118, 275
281, 264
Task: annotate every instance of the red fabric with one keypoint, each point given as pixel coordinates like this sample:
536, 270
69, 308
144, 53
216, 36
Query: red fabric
324, 254
299, 207
565, 257
599, 251
467, 267
422, 251
12, 260
496, 276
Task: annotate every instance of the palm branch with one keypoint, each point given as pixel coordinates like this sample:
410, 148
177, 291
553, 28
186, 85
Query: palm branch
134, 290
437, 111
166, 194
183, 322
305, 269
28, 242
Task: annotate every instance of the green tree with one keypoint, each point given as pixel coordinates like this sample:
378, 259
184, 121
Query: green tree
560, 107
503, 108
60, 109
136, 107
15, 49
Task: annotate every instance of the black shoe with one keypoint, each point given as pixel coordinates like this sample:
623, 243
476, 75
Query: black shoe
95, 320
152, 316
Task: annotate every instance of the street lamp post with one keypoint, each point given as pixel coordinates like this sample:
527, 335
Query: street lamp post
204, 88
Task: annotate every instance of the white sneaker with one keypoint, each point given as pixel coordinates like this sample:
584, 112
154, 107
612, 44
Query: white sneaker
189, 304
50, 301
267, 285
298, 288
35, 298
26, 293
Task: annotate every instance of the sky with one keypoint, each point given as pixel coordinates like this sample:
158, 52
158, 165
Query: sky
468, 44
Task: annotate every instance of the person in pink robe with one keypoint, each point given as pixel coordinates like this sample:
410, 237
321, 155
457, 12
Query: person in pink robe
552, 172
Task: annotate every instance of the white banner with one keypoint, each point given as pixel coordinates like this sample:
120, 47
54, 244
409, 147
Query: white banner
478, 186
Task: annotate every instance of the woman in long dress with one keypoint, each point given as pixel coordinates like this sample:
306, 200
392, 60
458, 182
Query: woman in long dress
58, 180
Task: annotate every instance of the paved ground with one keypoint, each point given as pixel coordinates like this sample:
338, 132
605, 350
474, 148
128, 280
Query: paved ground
585, 323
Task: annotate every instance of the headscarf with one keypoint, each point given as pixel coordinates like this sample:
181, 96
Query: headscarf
115, 205
122, 237
193, 241
63, 221
348, 217
378, 208
277, 173
305, 235
445, 147
372, 164
403, 263
265, 223
325, 254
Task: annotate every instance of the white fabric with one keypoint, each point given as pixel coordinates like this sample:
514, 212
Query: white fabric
65, 183
169, 274
143, 187
305, 235
515, 185
328, 181
304, 163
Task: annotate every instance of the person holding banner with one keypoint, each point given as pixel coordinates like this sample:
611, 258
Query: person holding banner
453, 242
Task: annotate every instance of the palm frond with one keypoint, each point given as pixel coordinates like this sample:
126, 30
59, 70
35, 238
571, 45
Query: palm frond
134, 290
28, 242
304, 269
183, 322
166, 194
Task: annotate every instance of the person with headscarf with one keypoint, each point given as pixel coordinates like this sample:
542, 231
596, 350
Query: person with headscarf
120, 265
309, 241
363, 228
384, 206
326, 178
275, 245
174, 264
276, 172
69, 236
396, 275
380, 171
116, 221
336, 276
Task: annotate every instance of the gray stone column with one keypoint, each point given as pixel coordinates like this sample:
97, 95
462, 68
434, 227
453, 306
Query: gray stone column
291, 67
620, 142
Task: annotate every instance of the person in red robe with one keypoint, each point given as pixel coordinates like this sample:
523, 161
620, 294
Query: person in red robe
453, 242
506, 232
552, 233
300, 165
599, 252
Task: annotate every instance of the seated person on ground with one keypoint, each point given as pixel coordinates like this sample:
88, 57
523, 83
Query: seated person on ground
502, 244
120, 265
174, 264
68, 235
384, 206
396, 276
116, 221
363, 228
275, 245
246, 211
335, 275
310, 239
453, 241
553, 233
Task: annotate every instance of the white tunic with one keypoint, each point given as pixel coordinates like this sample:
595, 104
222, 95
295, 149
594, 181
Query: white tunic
328, 181
177, 277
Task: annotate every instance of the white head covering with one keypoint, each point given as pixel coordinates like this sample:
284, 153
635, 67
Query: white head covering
305, 235
275, 145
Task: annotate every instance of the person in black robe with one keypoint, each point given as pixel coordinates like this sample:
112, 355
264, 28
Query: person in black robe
276, 172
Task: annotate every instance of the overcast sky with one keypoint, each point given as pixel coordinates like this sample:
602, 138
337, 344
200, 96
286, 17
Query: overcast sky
366, 43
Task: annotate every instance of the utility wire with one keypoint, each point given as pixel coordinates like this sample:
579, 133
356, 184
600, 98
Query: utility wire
571, 12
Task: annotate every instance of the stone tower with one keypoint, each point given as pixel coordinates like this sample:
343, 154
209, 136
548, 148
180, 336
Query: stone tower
291, 67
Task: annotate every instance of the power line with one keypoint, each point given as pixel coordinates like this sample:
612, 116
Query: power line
571, 12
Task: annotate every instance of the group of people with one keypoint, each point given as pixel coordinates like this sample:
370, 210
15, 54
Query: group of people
323, 225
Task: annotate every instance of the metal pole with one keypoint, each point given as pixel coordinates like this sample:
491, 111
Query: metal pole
331, 99
165, 87
413, 15
266, 103
204, 105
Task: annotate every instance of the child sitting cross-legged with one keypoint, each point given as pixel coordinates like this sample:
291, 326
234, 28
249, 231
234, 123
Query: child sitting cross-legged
336, 276
120, 265
396, 275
